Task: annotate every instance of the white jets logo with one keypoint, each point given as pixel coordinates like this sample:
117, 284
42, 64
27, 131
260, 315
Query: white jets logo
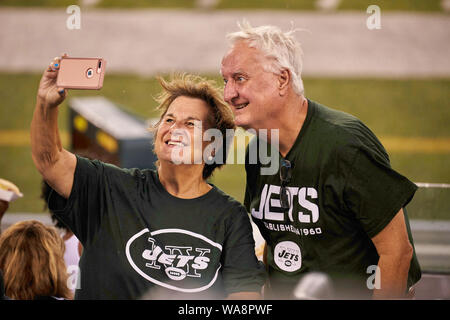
287, 256
309, 212
178, 262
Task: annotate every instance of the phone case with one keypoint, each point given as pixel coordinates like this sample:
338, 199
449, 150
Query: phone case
81, 73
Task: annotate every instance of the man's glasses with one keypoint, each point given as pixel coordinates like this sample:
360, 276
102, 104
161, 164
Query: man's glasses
285, 177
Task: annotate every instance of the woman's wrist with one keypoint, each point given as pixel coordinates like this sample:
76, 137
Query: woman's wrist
44, 103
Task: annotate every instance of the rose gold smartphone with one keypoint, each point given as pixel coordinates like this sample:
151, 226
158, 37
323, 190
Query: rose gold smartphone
81, 73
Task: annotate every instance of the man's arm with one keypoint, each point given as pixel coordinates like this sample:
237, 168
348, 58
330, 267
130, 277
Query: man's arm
55, 164
395, 252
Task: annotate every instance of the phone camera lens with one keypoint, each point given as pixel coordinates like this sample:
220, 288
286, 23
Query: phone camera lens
90, 73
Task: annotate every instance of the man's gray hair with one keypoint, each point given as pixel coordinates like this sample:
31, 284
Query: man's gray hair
281, 47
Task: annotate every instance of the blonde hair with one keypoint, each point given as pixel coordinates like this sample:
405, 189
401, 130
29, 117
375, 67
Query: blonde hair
220, 117
32, 261
280, 47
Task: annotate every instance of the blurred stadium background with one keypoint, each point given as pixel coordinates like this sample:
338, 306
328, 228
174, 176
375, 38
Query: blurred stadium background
395, 79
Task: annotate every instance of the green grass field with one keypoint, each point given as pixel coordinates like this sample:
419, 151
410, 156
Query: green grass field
389, 5
391, 108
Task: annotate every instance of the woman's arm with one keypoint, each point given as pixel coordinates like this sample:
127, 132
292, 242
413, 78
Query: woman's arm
244, 276
55, 164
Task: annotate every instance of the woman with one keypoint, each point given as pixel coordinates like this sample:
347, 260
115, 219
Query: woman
164, 233
31, 258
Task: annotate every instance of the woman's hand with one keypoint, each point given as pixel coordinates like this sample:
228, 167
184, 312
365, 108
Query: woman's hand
54, 163
48, 92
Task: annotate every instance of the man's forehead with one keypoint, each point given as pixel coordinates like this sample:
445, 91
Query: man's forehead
240, 56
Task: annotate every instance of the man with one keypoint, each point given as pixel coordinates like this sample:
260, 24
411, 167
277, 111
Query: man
337, 206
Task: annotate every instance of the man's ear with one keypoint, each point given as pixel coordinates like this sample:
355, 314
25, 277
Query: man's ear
284, 80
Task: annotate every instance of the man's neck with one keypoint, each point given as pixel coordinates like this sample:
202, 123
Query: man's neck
290, 122
183, 181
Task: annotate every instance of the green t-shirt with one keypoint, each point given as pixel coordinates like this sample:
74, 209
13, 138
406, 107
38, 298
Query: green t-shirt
139, 239
343, 192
